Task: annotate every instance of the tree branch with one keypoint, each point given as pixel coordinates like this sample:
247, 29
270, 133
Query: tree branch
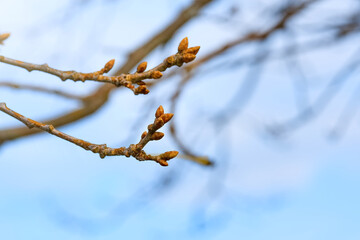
134, 150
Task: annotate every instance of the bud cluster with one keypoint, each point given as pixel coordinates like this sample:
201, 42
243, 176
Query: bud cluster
161, 118
184, 55
188, 54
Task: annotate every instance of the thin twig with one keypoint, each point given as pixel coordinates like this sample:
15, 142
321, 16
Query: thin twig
187, 153
127, 80
321, 102
134, 150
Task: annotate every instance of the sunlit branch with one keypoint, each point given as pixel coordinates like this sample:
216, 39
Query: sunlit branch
185, 55
134, 150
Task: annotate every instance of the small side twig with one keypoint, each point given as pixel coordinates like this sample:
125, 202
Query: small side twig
186, 152
3, 37
134, 150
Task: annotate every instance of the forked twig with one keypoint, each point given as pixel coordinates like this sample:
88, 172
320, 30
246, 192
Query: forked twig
134, 150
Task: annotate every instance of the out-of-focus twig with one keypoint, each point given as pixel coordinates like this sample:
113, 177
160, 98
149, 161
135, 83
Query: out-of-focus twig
3, 37
41, 89
187, 153
253, 36
320, 103
256, 36
346, 116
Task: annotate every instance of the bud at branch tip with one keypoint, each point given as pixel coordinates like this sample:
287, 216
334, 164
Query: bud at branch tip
109, 65
159, 111
183, 45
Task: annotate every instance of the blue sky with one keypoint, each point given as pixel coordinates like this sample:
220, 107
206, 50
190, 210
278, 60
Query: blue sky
302, 187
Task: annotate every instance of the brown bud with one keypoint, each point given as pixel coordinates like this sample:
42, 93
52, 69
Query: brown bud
141, 89
188, 57
3, 37
156, 75
141, 68
166, 117
157, 136
159, 123
159, 111
141, 83
169, 155
109, 65
150, 126
143, 134
163, 163
193, 50
183, 44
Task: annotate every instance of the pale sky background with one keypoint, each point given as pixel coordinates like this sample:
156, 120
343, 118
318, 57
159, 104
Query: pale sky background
302, 187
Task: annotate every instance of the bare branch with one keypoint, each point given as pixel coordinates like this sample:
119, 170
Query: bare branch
134, 150
184, 55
